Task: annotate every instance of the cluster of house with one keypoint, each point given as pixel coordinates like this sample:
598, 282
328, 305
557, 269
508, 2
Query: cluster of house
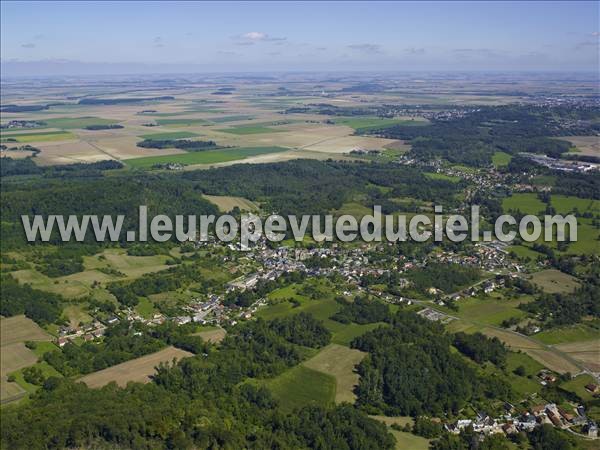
87, 332
538, 415
22, 124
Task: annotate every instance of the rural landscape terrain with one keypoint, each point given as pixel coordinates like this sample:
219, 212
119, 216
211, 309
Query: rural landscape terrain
421, 109
315, 327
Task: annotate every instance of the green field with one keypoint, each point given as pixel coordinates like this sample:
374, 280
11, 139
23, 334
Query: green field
226, 119
41, 136
566, 204
181, 122
68, 123
526, 203
249, 129
554, 281
572, 333
409, 441
522, 251
577, 386
301, 386
207, 157
46, 369
500, 159
362, 124
339, 362
145, 308
491, 310
170, 135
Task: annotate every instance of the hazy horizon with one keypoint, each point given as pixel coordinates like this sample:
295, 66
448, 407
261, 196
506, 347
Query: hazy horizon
92, 38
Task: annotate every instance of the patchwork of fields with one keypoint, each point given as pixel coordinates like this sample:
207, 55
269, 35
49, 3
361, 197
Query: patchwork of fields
14, 355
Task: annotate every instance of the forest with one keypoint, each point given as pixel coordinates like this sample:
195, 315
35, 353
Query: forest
189, 404
411, 370
473, 138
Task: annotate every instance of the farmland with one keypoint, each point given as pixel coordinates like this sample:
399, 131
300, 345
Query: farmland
170, 135
249, 129
207, 157
554, 281
227, 203
338, 361
301, 386
526, 203
68, 123
42, 136
14, 332
362, 124
139, 370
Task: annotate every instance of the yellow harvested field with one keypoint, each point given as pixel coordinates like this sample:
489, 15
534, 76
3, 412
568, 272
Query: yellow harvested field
138, 370
537, 351
553, 361
586, 145
348, 143
587, 352
20, 329
226, 203
214, 336
339, 361
14, 331
14, 357
53, 153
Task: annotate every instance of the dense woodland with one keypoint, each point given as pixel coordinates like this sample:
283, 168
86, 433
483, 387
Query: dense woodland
411, 370
473, 138
212, 388
182, 144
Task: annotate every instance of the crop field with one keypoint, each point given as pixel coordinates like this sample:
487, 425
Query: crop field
226, 119
500, 159
587, 352
526, 203
565, 204
68, 123
410, 441
554, 281
361, 124
344, 334
207, 157
47, 136
215, 336
183, 122
138, 370
249, 129
585, 145
226, 203
568, 334
14, 331
301, 386
404, 440
491, 310
131, 266
339, 361
20, 329
547, 358
170, 135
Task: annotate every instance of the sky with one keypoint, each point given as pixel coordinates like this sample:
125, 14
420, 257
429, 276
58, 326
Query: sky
45, 38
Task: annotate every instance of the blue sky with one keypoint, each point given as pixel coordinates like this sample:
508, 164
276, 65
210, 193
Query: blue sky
254, 36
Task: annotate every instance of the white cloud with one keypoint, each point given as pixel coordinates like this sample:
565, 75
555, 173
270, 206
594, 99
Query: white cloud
366, 48
28, 45
258, 36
